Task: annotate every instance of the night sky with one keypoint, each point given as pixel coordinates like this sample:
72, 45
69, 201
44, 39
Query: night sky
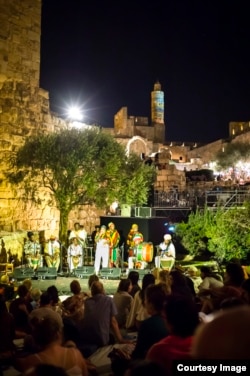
108, 54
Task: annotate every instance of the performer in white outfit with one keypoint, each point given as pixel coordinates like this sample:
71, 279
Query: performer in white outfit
52, 253
80, 233
75, 254
166, 252
102, 249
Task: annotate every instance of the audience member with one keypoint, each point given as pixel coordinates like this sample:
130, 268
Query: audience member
138, 312
182, 320
225, 337
134, 276
99, 318
76, 289
48, 335
20, 308
35, 295
123, 301
92, 278
7, 330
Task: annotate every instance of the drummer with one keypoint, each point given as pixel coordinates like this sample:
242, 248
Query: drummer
166, 251
75, 254
134, 238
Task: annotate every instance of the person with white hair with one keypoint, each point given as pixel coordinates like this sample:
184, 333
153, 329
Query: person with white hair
166, 252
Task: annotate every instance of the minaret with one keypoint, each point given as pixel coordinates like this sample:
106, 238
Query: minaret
157, 112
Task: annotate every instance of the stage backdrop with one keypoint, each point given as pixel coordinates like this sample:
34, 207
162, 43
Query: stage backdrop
152, 229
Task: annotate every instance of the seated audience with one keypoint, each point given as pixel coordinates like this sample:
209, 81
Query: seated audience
134, 276
182, 320
48, 335
138, 313
123, 301
7, 330
20, 308
225, 337
99, 321
76, 289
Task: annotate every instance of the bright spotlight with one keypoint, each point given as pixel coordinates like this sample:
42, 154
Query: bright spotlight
75, 113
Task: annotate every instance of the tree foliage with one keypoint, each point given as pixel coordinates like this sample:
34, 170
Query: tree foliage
225, 233
233, 153
79, 167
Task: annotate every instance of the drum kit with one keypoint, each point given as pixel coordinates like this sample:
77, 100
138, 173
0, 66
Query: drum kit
140, 255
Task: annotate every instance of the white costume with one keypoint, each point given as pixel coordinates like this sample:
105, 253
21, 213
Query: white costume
81, 236
102, 250
167, 252
75, 253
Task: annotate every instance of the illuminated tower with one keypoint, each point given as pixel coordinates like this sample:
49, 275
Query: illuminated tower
157, 112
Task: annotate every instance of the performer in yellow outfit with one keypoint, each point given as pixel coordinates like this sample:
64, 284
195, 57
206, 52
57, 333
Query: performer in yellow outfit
114, 236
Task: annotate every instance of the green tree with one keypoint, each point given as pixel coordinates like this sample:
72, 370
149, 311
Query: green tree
223, 232
79, 167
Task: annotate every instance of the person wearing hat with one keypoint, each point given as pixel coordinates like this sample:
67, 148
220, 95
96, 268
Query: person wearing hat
52, 253
114, 238
134, 238
102, 241
80, 233
166, 252
32, 251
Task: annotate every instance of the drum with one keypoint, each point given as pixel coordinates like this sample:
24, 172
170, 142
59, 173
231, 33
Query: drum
75, 261
167, 263
145, 252
35, 261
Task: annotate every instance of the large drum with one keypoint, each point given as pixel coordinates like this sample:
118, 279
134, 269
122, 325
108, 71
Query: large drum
145, 252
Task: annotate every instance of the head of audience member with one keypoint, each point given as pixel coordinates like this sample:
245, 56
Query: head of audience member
97, 288
35, 294
73, 307
224, 337
155, 296
144, 367
134, 276
92, 278
54, 295
182, 315
75, 287
206, 272
124, 285
46, 331
234, 275
23, 292
179, 283
28, 283
45, 299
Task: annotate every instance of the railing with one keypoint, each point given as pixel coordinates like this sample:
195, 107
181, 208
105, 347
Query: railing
199, 198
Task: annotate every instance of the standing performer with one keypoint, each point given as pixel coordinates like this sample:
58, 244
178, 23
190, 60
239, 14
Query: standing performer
52, 253
134, 238
166, 252
114, 238
32, 251
102, 250
75, 253
80, 233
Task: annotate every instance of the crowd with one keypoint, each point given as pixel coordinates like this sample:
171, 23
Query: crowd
169, 315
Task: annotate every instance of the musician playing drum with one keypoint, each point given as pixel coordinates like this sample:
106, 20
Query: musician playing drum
75, 252
133, 240
52, 253
166, 252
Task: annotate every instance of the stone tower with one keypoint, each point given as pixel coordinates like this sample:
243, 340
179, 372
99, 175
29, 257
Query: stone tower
157, 112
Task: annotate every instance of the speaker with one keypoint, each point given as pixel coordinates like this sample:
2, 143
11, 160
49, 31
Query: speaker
125, 210
46, 273
144, 212
22, 273
84, 271
110, 273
